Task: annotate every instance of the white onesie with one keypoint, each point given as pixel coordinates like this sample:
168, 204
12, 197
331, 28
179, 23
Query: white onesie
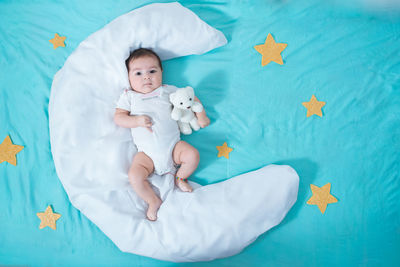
159, 144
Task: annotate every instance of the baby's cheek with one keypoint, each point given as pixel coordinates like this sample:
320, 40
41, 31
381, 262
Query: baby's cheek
134, 82
131, 82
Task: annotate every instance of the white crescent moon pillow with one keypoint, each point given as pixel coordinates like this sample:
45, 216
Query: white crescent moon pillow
92, 155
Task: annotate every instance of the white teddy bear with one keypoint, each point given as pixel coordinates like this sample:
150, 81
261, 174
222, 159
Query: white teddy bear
184, 108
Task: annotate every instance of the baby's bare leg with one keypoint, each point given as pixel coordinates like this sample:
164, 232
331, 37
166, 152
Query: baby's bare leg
188, 157
142, 167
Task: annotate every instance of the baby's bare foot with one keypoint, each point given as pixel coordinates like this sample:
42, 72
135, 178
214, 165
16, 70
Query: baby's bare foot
152, 210
183, 185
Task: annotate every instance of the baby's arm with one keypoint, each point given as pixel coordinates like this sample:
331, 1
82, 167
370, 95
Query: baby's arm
202, 118
123, 118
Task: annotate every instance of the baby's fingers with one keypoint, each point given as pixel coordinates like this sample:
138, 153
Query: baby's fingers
148, 125
204, 123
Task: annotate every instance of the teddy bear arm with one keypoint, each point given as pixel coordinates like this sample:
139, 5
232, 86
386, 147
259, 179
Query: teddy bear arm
176, 114
197, 107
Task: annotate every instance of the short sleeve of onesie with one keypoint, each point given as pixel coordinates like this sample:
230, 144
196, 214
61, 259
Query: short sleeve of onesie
170, 88
124, 101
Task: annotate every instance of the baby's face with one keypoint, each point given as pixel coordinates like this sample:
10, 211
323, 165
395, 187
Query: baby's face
145, 74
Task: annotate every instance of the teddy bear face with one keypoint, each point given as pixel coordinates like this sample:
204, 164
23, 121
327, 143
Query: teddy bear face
183, 98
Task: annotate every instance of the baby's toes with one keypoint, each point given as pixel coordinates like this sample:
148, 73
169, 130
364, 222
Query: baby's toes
152, 215
184, 186
152, 211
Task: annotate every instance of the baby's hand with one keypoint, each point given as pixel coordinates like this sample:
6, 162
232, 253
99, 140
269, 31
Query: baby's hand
203, 121
144, 121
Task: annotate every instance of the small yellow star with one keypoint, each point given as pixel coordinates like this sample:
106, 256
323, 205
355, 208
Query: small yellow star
48, 218
314, 106
270, 51
224, 150
58, 41
8, 151
321, 196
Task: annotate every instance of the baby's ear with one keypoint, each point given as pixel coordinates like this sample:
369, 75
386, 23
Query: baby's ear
190, 91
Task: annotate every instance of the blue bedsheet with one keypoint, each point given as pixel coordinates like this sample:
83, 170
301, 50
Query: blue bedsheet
345, 55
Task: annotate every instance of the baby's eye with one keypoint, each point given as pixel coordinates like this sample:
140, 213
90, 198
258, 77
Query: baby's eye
190, 99
138, 73
153, 71
181, 103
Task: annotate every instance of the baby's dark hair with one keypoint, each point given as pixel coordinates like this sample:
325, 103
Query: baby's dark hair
142, 52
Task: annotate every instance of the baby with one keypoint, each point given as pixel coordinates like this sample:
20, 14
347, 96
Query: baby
146, 110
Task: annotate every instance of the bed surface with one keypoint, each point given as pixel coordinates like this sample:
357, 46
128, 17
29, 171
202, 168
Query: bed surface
345, 55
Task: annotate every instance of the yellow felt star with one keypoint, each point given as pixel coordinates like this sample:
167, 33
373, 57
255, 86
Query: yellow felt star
224, 150
8, 151
270, 51
58, 41
48, 218
314, 106
321, 196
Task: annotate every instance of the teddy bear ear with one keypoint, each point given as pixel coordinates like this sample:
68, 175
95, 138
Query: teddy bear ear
189, 90
172, 97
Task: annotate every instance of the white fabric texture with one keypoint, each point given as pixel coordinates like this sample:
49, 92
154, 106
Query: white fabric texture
92, 155
159, 143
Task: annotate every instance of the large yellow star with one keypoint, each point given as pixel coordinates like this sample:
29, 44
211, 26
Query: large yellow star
8, 151
321, 196
270, 51
48, 218
58, 41
224, 150
314, 106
